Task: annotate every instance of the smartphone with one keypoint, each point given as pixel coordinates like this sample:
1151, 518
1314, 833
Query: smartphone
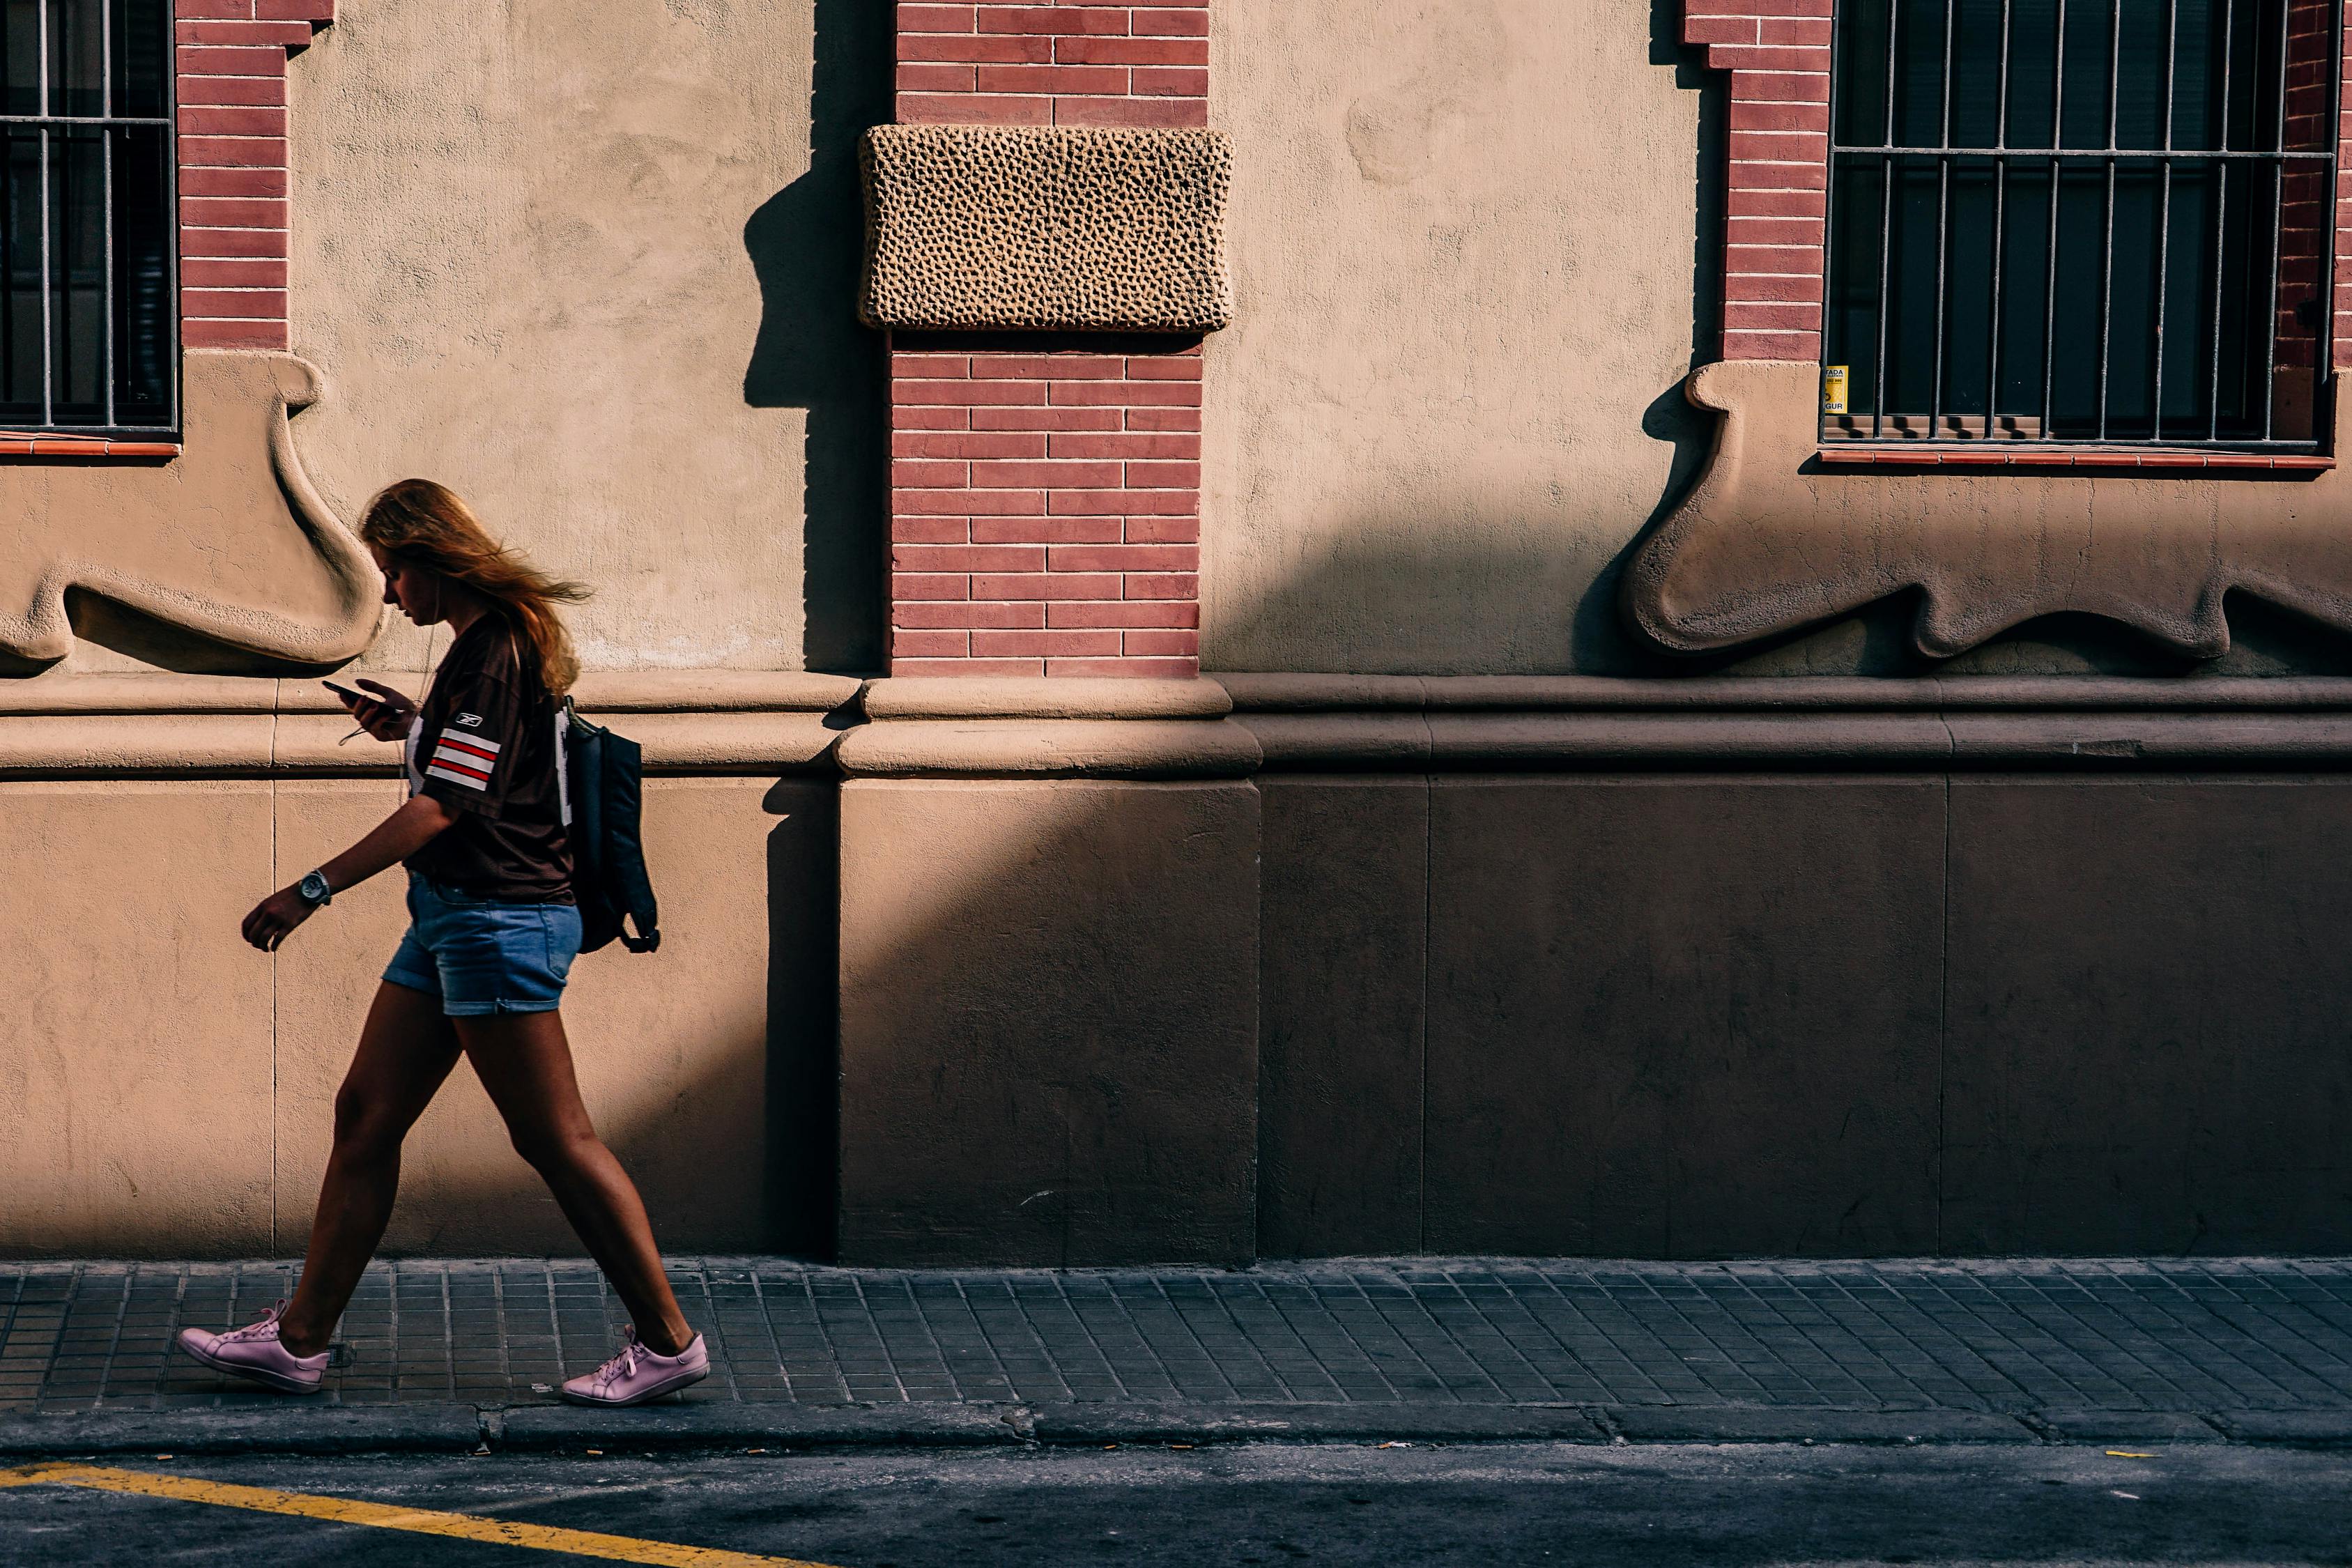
348, 695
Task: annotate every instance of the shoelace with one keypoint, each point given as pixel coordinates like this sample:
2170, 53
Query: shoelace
625, 1360
266, 1329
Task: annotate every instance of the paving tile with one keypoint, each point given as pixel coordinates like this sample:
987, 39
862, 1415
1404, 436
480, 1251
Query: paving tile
2165, 1338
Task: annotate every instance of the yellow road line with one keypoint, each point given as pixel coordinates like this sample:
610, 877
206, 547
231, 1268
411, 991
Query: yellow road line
382, 1516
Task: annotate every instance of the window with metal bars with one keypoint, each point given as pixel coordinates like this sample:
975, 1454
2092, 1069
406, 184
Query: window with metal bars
2089, 222
89, 313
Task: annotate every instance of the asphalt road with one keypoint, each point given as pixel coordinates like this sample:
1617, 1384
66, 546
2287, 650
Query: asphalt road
1477, 1504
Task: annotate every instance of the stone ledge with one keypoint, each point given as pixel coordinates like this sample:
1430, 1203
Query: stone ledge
1004, 697
1378, 723
613, 691
1287, 692
201, 726
1049, 748
1529, 741
723, 722
307, 745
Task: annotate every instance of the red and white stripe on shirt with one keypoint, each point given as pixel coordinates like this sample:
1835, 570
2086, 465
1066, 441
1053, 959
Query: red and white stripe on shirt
462, 759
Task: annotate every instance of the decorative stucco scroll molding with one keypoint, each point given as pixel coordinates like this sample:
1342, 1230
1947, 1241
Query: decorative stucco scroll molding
1769, 543
228, 543
978, 227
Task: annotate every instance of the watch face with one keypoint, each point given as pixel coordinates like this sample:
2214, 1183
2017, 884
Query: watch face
313, 886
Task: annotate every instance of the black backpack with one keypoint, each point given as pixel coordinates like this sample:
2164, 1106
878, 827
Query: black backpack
599, 778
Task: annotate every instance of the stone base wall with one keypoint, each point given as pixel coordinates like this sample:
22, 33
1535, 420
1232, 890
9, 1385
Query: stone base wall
173, 1089
1079, 973
1661, 1015
1711, 969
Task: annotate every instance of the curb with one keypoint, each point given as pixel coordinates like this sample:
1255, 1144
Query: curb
546, 1428
2290, 1428
433, 1428
1715, 1423
1320, 1423
2134, 1426
725, 1424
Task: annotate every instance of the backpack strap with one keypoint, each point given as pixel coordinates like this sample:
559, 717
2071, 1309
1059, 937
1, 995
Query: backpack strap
564, 761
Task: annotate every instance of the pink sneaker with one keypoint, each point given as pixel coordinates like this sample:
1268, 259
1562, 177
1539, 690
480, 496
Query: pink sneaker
635, 1374
253, 1353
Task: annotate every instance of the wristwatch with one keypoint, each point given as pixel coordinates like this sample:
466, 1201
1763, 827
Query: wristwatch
313, 890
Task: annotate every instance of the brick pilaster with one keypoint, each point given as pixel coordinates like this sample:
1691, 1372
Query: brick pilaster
1046, 493
231, 57
2316, 18
2303, 210
1777, 52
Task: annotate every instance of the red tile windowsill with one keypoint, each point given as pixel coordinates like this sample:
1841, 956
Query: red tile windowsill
36, 443
1916, 457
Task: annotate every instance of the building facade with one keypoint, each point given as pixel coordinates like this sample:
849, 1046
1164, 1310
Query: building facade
1264, 628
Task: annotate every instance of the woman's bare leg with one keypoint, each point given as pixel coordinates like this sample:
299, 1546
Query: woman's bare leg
525, 1062
406, 1050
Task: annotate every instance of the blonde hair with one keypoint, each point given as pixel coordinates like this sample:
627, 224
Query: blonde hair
428, 524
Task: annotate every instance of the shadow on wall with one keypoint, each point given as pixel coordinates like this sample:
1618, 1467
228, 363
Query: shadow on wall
1496, 593
1116, 1124
1390, 595
803, 1034
1742, 1015
1440, 584
1049, 1021
1600, 641
807, 245
118, 628
721, 1104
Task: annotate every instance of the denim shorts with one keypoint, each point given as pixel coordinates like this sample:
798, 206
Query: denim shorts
477, 955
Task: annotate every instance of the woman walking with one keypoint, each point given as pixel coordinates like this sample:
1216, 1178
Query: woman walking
481, 972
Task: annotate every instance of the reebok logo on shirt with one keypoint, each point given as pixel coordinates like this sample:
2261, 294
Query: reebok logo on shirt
462, 759
471, 721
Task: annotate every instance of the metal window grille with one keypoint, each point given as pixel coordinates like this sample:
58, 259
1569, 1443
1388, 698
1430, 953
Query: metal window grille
2103, 222
88, 303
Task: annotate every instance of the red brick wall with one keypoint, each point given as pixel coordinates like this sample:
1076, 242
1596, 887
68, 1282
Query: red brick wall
1777, 52
2342, 133
233, 165
1046, 512
1053, 64
1046, 493
2303, 210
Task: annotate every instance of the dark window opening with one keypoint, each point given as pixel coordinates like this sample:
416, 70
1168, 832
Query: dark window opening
89, 312
2092, 221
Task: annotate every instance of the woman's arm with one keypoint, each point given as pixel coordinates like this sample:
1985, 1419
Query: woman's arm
393, 840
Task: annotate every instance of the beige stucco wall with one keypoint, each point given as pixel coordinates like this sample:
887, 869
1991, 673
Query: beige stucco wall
519, 258
171, 1089
1462, 239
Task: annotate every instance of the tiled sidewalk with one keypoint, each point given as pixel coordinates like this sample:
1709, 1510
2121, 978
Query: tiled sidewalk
2264, 1335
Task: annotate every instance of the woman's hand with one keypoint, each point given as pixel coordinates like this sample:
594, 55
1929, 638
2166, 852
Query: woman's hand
274, 919
388, 717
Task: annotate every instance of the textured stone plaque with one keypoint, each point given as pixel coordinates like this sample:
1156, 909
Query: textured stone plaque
987, 229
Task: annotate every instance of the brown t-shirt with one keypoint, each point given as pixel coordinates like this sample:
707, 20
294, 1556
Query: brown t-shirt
485, 747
